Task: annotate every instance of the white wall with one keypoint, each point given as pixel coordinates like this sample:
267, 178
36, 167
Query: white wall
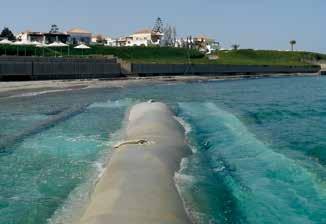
138, 43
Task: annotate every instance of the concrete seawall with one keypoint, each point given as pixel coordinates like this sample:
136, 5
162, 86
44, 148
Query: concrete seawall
59, 70
38, 68
211, 69
33, 68
137, 186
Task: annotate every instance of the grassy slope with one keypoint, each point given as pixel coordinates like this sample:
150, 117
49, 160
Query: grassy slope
264, 57
179, 55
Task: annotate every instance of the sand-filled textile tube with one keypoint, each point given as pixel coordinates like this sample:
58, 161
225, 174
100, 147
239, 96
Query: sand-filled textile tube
138, 184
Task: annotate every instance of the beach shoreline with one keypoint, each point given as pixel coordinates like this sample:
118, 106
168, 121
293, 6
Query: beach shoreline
27, 88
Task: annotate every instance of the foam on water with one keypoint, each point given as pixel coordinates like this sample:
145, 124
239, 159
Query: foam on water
113, 104
263, 185
76, 202
31, 94
185, 125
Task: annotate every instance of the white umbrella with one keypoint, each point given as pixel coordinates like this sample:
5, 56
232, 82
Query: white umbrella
42, 45
55, 44
36, 43
66, 45
5, 42
58, 44
63, 44
22, 43
82, 47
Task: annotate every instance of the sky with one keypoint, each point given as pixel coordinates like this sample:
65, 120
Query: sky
256, 24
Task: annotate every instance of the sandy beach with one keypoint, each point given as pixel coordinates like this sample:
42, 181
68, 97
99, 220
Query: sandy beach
9, 89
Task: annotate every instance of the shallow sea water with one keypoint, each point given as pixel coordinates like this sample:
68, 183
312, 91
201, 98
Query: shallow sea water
259, 149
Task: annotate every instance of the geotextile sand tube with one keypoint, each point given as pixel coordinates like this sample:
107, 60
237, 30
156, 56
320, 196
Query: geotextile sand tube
138, 186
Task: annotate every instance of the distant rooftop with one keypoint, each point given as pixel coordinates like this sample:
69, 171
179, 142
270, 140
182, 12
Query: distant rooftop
143, 31
42, 33
78, 30
201, 36
33, 32
146, 31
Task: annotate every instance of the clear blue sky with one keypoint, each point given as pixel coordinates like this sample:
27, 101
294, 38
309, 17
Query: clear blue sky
268, 24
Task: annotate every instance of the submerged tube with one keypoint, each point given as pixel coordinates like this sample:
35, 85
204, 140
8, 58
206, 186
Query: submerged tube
138, 186
7, 143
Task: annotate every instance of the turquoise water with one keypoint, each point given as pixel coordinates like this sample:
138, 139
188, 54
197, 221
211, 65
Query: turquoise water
259, 149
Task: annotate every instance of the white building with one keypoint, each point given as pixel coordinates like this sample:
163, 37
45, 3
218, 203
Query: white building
132, 42
78, 36
144, 37
29, 36
122, 41
205, 44
41, 37
111, 42
98, 39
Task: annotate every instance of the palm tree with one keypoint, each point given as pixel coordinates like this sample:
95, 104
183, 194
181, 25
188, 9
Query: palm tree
292, 43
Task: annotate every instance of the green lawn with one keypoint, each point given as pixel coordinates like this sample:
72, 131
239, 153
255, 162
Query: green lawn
240, 57
265, 57
178, 55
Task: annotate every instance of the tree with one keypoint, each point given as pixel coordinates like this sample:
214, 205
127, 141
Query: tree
174, 35
100, 39
167, 36
6, 33
292, 43
54, 29
235, 47
189, 42
158, 26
